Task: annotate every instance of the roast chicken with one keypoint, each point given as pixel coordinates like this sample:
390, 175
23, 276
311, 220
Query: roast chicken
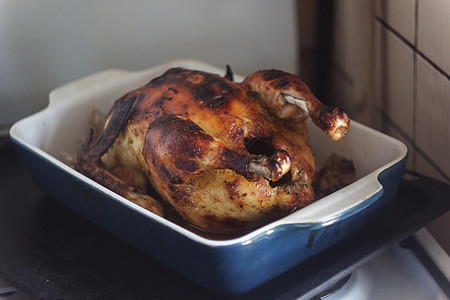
226, 156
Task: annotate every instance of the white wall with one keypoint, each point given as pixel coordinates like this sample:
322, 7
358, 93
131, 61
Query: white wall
46, 43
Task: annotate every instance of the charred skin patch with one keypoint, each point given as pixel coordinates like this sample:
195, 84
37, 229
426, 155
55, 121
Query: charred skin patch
272, 74
186, 139
139, 100
235, 162
232, 189
171, 75
282, 83
251, 94
169, 94
214, 92
326, 122
172, 177
278, 79
281, 80
174, 146
196, 79
208, 90
187, 165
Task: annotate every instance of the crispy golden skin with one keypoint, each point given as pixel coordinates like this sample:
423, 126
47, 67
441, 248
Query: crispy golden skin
190, 133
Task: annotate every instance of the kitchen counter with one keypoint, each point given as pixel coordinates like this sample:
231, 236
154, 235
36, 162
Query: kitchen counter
48, 251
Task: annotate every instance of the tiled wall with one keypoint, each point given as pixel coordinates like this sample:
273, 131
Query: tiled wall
391, 66
390, 69
412, 62
412, 85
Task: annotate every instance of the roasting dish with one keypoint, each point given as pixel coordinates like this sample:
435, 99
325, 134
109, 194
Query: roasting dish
227, 264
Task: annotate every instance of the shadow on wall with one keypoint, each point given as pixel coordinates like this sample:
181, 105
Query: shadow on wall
338, 59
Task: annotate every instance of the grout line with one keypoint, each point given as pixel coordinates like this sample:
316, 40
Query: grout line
409, 140
414, 116
415, 49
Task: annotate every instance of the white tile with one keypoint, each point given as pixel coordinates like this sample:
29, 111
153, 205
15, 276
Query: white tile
399, 14
433, 111
394, 78
434, 31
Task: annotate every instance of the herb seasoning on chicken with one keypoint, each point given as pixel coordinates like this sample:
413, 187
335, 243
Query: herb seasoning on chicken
190, 134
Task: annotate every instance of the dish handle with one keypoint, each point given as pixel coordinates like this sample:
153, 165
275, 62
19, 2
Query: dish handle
339, 205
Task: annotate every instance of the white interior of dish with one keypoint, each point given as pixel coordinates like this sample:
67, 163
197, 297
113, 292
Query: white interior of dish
64, 125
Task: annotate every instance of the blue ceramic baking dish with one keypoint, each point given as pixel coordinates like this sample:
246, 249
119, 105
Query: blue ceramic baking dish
230, 266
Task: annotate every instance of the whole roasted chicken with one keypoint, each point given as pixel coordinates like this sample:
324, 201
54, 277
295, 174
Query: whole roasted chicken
226, 156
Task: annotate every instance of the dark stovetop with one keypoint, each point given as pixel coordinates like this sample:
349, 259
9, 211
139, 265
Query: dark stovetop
48, 251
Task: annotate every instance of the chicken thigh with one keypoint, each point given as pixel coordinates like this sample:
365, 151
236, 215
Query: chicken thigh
226, 156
